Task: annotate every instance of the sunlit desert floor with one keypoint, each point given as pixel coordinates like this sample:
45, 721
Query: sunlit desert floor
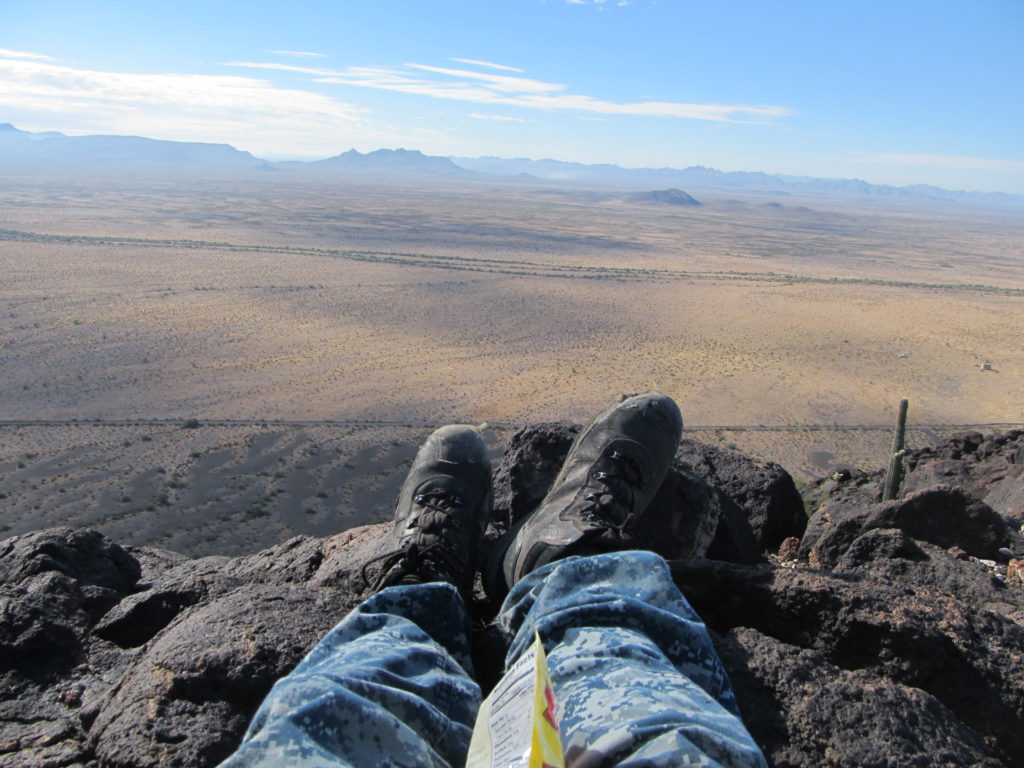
261, 299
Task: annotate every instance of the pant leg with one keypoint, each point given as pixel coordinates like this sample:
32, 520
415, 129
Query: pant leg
636, 678
391, 685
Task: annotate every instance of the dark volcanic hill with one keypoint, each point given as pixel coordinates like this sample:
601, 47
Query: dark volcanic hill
663, 197
893, 634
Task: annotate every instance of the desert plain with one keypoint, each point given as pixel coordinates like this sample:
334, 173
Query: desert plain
216, 363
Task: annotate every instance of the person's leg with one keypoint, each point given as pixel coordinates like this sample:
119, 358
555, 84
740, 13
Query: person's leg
391, 685
636, 678
634, 671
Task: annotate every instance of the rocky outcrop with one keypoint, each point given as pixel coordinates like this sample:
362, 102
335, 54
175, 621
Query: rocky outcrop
904, 644
943, 515
760, 492
792, 634
990, 469
135, 657
967, 492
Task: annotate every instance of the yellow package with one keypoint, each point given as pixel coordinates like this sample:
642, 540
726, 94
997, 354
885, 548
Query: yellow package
517, 726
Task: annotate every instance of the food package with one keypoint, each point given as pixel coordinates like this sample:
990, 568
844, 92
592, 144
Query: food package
517, 726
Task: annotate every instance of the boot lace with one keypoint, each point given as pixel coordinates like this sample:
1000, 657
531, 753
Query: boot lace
612, 503
432, 550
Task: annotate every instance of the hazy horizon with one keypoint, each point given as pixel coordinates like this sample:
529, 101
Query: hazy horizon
919, 93
594, 180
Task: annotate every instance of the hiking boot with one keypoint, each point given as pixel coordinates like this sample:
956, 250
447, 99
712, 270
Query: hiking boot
610, 475
443, 508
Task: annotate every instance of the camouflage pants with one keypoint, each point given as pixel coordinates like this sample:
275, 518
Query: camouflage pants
637, 680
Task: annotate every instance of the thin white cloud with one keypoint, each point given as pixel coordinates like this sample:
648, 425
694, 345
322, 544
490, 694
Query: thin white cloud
508, 90
9, 54
505, 83
490, 64
301, 54
248, 112
500, 118
960, 162
282, 67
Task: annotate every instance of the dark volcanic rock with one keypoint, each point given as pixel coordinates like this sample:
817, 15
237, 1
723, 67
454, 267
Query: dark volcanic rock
905, 653
1007, 497
170, 673
833, 528
969, 460
969, 659
802, 710
188, 699
762, 491
531, 462
87, 557
139, 617
890, 556
944, 516
54, 585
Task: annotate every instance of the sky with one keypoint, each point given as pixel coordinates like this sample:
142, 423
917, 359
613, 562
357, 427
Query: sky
895, 92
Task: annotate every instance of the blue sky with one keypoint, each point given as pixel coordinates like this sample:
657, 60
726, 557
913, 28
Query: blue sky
897, 92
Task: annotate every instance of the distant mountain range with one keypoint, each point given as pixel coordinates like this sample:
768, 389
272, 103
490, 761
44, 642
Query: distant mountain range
26, 150
52, 148
699, 176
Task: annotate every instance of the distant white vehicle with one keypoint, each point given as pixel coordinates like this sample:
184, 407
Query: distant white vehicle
904, 354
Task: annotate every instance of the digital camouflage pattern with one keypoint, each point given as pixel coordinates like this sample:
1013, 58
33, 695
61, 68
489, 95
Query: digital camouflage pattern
636, 677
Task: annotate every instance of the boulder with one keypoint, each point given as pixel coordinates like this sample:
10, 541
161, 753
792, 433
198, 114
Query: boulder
54, 585
86, 557
806, 712
189, 697
964, 657
944, 516
762, 491
833, 528
889, 556
1007, 496
968, 460
530, 464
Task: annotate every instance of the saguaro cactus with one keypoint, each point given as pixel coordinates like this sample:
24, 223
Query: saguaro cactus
891, 485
